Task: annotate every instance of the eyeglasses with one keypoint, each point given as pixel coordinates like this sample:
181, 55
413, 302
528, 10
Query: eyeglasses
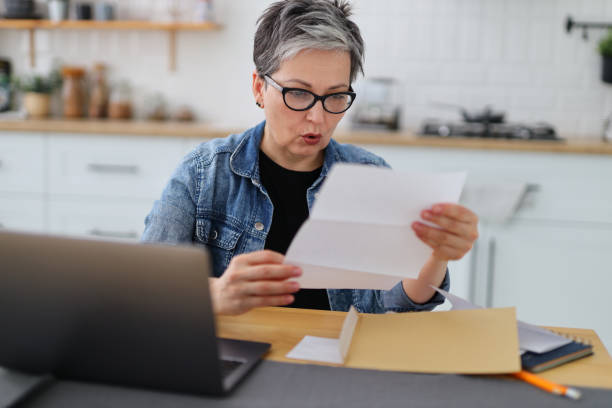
298, 99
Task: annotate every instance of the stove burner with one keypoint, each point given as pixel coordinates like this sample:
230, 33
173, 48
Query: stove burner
536, 131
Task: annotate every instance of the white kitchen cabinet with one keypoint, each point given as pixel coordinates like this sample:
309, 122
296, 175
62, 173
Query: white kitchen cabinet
22, 212
111, 166
100, 218
22, 163
556, 274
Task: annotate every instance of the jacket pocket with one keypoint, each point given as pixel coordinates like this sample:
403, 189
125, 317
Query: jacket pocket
220, 238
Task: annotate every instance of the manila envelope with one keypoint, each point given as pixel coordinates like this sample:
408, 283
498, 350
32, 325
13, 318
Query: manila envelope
483, 341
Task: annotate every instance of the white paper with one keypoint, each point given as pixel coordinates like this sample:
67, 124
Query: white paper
321, 349
325, 349
531, 337
359, 234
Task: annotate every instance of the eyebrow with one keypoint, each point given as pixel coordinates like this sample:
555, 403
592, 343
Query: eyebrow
306, 84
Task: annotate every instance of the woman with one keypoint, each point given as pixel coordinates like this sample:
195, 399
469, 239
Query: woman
245, 196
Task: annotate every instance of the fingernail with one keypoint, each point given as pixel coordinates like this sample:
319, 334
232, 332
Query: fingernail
427, 215
297, 272
437, 209
288, 299
417, 226
294, 285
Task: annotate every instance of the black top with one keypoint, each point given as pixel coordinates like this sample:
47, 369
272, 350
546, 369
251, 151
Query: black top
287, 190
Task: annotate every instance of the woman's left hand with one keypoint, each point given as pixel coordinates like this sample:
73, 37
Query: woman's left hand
457, 233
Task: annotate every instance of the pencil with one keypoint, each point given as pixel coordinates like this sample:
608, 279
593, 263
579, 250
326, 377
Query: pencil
547, 385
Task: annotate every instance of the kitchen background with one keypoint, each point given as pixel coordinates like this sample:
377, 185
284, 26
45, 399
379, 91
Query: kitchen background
512, 54
548, 255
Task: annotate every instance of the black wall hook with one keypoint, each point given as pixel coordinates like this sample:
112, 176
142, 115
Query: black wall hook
570, 24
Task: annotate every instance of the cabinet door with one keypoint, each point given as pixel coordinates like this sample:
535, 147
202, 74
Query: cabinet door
111, 166
22, 163
104, 218
25, 213
555, 274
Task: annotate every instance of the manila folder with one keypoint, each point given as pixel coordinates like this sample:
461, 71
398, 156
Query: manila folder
480, 341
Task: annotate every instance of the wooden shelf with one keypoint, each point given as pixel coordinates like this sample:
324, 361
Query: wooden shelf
170, 27
108, 25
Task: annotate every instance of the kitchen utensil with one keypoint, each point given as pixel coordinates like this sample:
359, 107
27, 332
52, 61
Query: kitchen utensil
104, 12
486, 115
83, 11
19, 9
378, 105
58, 10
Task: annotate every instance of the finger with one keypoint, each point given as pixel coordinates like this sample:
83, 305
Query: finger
441, 237
462, 229
262, 301
269, 288
259, 257
443, 251
455, 211
271, 272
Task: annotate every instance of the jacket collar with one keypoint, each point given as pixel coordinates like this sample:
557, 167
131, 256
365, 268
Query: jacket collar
244, 161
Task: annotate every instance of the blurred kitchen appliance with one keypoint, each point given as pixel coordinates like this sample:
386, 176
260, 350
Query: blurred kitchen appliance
487, 123
5, 85
377, 105
19, 9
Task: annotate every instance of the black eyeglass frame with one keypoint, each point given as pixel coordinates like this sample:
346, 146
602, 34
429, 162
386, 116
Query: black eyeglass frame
285, 90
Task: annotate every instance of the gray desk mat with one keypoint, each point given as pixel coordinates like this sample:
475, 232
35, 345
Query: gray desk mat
284, 385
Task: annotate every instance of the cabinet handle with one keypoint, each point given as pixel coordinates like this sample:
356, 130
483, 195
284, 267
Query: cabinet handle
113, 234
113, 168
490, 273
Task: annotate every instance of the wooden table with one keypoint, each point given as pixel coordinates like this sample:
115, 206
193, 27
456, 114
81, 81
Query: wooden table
283, 328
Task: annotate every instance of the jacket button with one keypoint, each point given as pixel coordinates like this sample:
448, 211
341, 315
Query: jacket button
214, 235
259, 226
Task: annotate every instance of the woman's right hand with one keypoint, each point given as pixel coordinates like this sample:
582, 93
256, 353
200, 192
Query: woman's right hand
252, 280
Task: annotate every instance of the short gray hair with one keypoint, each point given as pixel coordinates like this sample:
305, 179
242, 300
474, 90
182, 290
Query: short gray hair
290, 26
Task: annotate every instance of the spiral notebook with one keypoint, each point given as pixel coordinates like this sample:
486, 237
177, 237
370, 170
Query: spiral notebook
537, 362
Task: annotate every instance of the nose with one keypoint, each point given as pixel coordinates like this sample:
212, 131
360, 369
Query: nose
316, 114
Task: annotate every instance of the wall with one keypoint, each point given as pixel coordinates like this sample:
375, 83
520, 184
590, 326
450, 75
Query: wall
513, 54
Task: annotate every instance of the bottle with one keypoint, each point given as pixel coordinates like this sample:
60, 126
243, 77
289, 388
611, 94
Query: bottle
98, 101
72, 91
205, 11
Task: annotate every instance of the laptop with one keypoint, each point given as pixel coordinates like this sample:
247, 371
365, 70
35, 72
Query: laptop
130, 314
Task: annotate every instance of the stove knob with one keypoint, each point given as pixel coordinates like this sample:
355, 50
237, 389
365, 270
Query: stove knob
444, 131
522, 133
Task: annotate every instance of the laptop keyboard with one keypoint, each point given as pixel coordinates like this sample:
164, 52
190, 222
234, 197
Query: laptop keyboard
228, 366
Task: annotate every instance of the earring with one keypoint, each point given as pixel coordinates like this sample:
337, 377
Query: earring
258, 104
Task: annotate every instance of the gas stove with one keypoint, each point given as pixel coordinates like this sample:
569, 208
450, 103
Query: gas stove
535, 131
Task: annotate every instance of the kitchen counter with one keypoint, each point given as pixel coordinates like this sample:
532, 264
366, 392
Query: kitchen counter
199, 130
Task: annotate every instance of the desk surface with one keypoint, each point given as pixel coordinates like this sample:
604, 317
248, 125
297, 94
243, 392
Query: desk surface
285, 327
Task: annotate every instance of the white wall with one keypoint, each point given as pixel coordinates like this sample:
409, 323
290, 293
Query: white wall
513, 54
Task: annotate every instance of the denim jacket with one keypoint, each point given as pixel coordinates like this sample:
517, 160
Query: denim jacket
215, 198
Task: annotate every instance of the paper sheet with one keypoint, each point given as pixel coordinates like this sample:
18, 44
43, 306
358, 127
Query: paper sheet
320, 349
531, 337
359, 236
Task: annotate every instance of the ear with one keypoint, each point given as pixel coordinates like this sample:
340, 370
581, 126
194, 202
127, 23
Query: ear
258, 88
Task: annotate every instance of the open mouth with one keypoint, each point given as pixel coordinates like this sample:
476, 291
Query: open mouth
311, 138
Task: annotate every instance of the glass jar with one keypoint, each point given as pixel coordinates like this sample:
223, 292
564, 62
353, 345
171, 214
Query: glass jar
120, 106
73, 91
98, 101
